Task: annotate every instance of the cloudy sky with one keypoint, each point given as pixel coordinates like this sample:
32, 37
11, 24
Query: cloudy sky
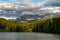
29, 6
32, 3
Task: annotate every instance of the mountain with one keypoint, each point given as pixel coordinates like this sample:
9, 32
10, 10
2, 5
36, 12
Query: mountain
28, 17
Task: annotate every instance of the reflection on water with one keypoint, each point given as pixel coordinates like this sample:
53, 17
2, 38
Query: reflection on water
29, 36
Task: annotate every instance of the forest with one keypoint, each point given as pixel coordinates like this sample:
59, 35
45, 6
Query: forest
51, 25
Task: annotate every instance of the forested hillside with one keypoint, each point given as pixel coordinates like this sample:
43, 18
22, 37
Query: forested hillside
51, 25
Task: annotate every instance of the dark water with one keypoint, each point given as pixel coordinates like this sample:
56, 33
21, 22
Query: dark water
28, 36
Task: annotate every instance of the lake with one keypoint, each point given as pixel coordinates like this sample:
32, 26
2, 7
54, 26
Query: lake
28, 36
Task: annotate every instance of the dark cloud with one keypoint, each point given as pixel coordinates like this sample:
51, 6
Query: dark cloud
53, 3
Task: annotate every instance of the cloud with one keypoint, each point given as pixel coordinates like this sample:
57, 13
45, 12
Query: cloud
47, 8
30, 4
19, 7
26, 12
51, 10
5, 5
53, 3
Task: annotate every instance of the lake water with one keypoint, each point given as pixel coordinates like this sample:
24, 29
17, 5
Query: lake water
28, 36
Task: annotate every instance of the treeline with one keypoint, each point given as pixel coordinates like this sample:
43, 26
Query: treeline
51, 25
14, 26
48, 25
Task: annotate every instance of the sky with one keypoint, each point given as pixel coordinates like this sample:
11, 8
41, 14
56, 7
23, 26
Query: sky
32, 3
20, 0
29, 6
52, 3
35, 3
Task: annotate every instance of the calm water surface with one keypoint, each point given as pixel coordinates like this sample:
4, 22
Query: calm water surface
28, 36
